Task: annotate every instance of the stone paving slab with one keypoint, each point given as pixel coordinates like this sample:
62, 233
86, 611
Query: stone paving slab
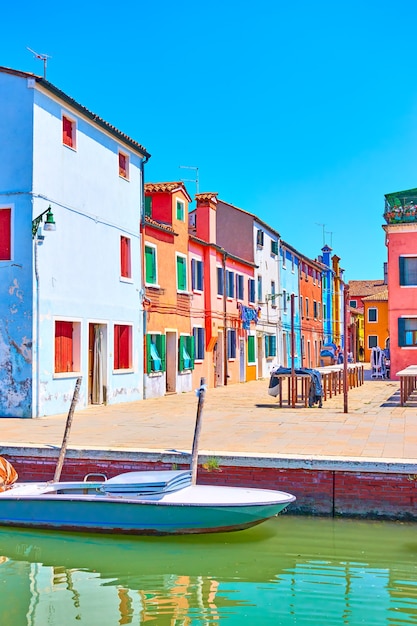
240, 419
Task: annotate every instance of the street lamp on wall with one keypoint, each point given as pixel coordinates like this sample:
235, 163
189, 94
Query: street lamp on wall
49, 222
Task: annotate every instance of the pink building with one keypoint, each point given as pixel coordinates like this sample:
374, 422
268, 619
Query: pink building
401, 240
222, 316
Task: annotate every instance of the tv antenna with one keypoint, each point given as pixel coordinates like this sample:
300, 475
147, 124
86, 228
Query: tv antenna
191, 180
324, 232
42, 57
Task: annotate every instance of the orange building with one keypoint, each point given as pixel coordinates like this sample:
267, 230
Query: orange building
169, 343
311, 314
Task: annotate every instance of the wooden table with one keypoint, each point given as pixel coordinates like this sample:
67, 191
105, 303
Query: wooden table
408, 382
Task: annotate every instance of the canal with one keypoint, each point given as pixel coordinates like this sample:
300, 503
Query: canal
290, 571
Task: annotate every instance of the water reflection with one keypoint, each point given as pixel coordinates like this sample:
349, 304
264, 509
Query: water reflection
287, 571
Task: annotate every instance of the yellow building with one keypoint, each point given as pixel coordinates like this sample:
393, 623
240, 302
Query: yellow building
376, 325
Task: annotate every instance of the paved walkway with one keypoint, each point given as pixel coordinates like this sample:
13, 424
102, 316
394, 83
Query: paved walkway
240, 419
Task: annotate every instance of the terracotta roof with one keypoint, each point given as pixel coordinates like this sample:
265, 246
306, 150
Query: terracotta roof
160, 225
166, 188
362, 288
380, 296
79, 107
208, 195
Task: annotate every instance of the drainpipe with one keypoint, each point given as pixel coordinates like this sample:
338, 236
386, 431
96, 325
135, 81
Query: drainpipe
142, 287
36, 342
225, 373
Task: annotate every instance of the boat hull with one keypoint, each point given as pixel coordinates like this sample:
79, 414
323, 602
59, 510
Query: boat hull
193, 510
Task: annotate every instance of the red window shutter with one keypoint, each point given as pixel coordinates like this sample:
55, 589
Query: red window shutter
122, 351
122, 165
63, 347
67, 132
5, 234
125, 257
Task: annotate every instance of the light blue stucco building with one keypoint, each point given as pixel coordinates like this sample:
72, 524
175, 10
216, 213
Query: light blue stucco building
70, 298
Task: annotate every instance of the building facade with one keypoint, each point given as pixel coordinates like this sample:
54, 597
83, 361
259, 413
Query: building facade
63, 167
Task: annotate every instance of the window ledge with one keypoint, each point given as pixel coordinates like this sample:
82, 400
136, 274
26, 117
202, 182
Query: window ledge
126, 279
66, 375
128, 370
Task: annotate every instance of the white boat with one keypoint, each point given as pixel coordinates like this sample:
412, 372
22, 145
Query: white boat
144, 503
157, 502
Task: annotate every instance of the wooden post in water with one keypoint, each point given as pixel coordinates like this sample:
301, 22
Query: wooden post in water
194, 454
345, 349
67, 431
293, 378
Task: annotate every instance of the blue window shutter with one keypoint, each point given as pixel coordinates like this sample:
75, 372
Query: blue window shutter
266, 346
402, 270
273, 345
193, 274
401, 332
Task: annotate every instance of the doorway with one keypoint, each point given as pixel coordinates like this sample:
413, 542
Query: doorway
171, 362
97, 363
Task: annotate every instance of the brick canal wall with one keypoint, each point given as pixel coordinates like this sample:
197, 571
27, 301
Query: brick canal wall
356, 488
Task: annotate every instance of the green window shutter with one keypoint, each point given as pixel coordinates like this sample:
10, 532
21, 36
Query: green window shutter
266, 346
150, 265
181, 274
148, 206
402, 270
148, 354
181, 354
251, 349
190, 350
401, 331
273, 345
161, 346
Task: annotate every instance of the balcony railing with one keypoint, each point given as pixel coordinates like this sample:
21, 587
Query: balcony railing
401, 207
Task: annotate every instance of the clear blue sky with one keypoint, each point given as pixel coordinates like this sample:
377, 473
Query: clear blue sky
303, 113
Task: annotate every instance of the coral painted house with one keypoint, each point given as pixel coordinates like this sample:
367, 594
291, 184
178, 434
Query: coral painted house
221, 309
401, 241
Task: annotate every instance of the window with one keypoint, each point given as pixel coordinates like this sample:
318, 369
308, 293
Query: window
307, 309
284, 300
197, 275
372, 341
408, 270
231, 344
270, 346
251, 290
185, 350
67, 346
125, 266
150, 265
353, 304
180, 210
181, 273
315, 309
407, 331
148, 206
251, 349
259, 288
318, 310
274, 247
122, 347
220, 281
301, 307
230, 284
155, 353
292, 263
273, 294
372, 315
5, 234
239, 287
260, 238
199, 343
69, 132
123, 165
284, 258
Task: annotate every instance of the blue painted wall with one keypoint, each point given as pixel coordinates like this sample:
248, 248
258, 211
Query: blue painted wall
16, 285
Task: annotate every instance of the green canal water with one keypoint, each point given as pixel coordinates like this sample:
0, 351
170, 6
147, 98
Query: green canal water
290, 570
